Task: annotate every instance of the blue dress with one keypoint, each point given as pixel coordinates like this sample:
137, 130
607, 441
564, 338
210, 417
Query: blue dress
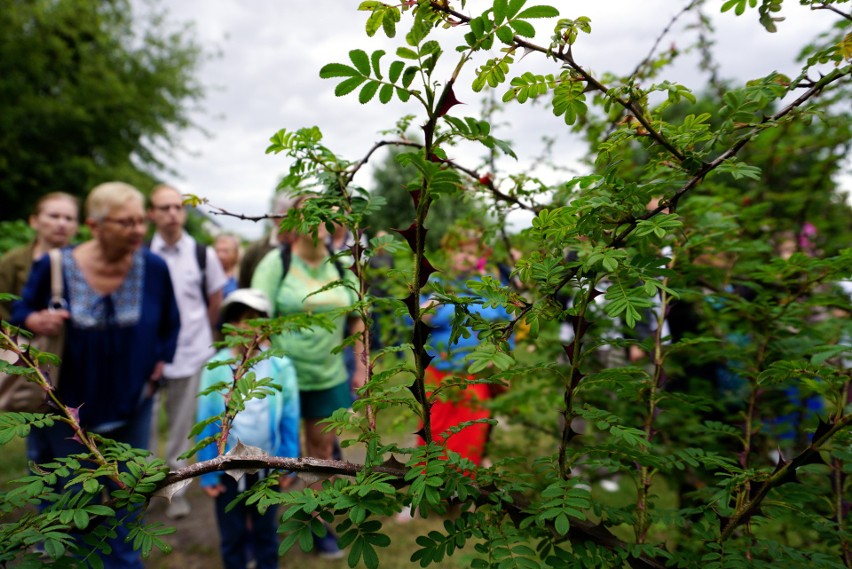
112, 342
453, 358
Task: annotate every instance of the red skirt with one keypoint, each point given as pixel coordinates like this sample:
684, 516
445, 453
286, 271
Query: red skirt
461, 405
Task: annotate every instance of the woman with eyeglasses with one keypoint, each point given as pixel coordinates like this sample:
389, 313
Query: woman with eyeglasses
121, 326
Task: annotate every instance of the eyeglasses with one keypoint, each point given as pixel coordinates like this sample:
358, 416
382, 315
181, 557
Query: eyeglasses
167, 207
127, 222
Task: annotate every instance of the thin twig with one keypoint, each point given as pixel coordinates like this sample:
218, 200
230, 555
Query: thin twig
581, 530
663, 34
833, 9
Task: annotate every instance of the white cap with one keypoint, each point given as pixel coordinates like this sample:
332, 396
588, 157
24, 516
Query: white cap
251, 297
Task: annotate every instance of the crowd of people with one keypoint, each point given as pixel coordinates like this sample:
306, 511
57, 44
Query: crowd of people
139, 318
141, 315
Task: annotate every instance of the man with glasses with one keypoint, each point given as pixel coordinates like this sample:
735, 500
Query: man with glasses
198, 280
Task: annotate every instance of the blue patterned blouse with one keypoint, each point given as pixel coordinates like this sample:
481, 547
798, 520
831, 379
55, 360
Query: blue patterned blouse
112, 342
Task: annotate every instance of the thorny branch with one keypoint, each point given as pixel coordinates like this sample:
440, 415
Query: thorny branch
698, 177
581, 530
706, 168
592, 83
69, 415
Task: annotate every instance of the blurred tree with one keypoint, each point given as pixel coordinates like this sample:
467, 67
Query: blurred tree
90, 91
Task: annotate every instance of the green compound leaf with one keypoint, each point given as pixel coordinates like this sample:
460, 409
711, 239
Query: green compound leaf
395, 71
382, 16
477, 26
368, 92
569, 100
386, 94
408, 75
361, 60
81, 519
375, 59
515, 7
346, 87
337, 70
492, 73
539, 12
406, 53
500, 9
505, 34
389, 24
738, 5
528, 86
523, 28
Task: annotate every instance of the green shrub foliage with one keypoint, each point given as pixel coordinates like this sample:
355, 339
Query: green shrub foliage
716, 213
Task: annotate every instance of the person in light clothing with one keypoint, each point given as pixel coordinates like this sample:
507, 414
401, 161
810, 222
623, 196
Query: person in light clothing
270, 423
198, 290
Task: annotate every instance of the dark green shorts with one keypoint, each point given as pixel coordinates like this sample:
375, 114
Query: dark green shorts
322, 403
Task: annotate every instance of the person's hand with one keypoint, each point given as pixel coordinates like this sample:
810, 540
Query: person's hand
214, 491
47, 322
157, 374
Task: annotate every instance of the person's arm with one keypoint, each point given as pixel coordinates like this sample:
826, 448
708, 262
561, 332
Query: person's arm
169, 315
32, 311
359, 375
214, 302
169, 322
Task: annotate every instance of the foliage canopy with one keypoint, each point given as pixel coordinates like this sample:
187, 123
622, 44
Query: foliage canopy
89, 93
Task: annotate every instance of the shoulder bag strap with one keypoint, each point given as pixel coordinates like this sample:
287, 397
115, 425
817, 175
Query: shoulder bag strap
57, 285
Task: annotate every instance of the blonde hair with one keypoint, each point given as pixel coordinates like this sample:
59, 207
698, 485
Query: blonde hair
104, 197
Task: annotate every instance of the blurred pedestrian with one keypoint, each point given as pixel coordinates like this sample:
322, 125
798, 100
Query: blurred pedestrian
227, 247
465, 249
122, 327
270, 423
198, 280
55, 220
291, 277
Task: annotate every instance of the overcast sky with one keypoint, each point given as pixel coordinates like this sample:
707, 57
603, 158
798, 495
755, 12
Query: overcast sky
267, 78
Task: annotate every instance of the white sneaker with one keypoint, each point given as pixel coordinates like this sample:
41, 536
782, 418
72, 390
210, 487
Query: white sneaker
178, 508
